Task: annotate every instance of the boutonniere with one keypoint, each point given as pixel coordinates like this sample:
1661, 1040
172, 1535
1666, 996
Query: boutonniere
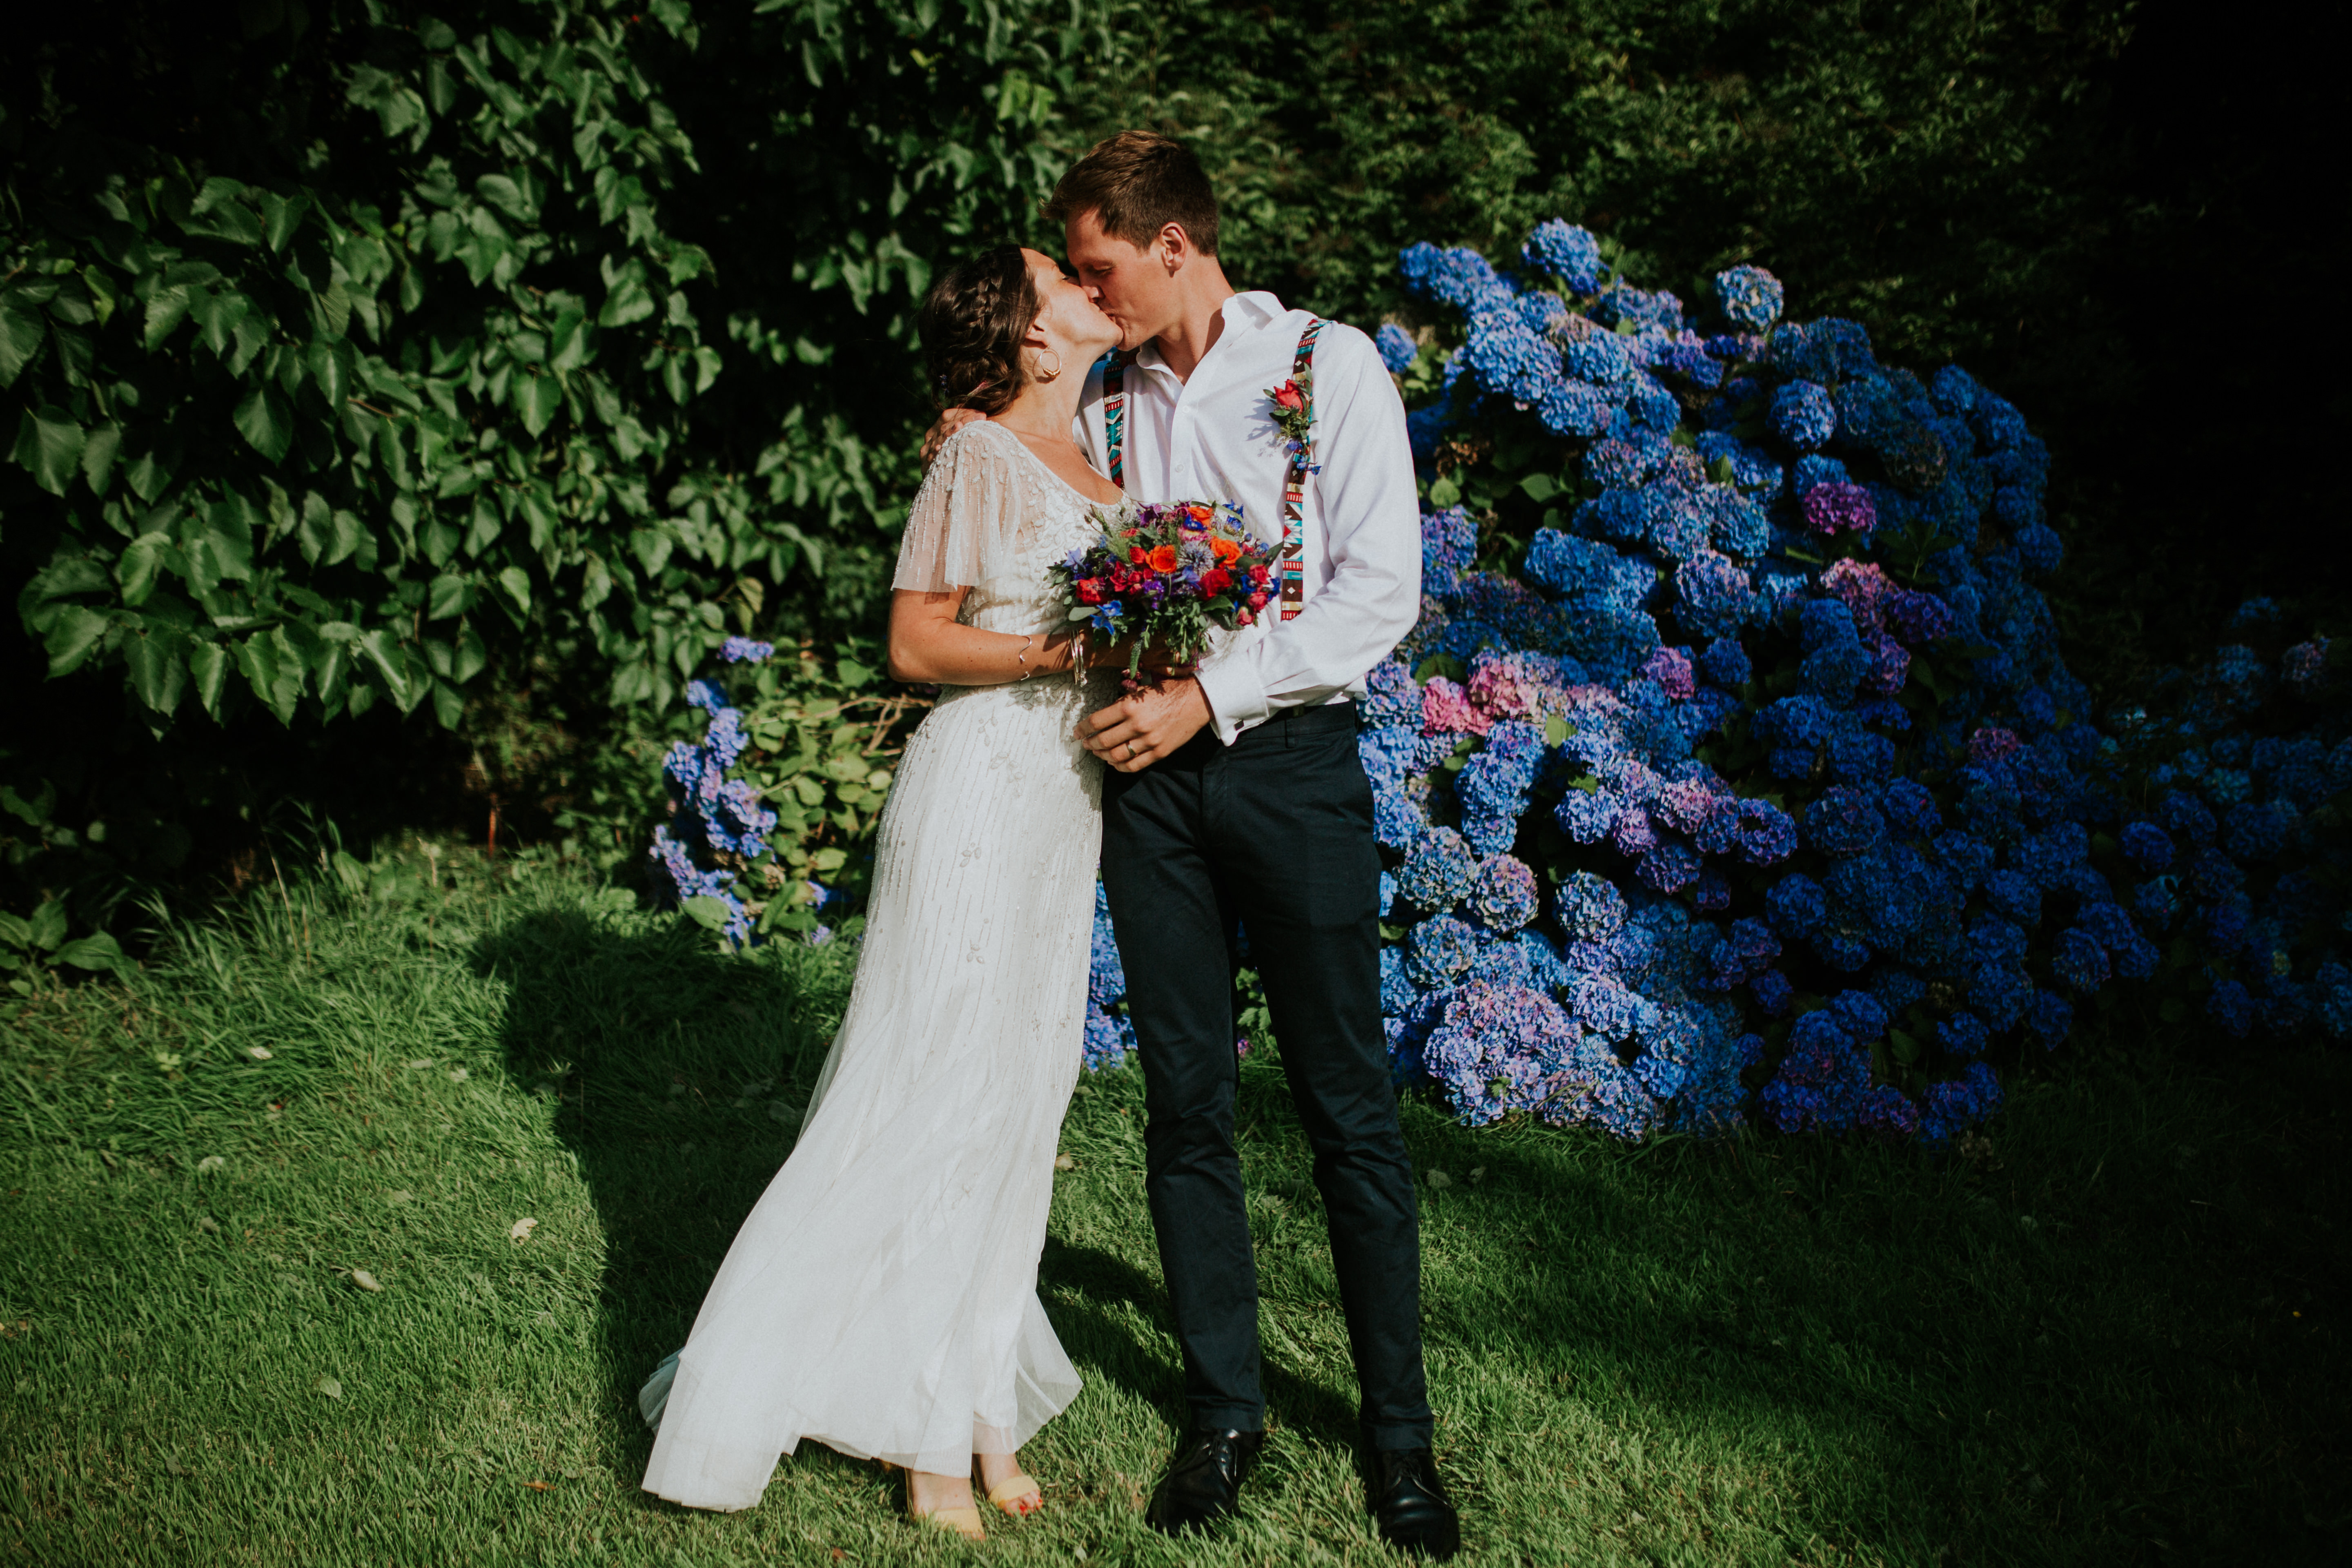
1292, 407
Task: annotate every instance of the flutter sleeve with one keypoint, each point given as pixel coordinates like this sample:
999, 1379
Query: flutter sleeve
964, 527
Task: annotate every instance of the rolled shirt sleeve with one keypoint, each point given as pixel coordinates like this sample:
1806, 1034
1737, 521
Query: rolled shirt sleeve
1363, 501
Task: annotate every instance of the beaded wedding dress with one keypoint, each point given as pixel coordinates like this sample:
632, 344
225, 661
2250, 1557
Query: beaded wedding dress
881, 1299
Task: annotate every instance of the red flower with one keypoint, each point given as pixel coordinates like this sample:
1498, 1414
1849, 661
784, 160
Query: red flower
1164, 559
1216, 580
1288, 396
1258, 601
1135, 553
1091, 591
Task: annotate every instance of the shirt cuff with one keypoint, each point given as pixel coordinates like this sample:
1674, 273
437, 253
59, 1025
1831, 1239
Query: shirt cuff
1236, 701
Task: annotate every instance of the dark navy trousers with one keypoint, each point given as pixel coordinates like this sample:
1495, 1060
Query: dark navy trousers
1274, 834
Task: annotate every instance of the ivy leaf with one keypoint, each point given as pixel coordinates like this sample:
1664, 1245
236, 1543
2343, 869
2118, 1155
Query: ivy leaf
98, 455
281, 215
220, 213
711, 914
49, 443
450, 595
141, 559
275, 676
629, 299
538, 398
208, 662
516, 584
331, 368
73, 634
391, 667
159, 670
166, 309
448, 705
21, 327
265, 422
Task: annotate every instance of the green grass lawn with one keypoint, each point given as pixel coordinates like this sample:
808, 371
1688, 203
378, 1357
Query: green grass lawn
2106, 1332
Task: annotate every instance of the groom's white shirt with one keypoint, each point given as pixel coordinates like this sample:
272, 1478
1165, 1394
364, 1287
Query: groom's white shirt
1212, 437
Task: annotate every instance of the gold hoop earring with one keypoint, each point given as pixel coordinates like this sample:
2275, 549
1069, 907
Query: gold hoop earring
1044, 374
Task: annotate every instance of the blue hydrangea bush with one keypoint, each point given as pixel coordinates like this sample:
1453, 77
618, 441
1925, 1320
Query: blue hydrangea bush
1760, 792
1754, 792
784, 786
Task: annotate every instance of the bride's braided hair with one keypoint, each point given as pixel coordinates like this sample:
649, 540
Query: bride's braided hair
972, 323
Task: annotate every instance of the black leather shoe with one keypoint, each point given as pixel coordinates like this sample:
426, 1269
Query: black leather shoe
1203, 1480
1410, 1501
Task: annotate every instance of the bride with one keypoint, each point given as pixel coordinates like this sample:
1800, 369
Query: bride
881, 1299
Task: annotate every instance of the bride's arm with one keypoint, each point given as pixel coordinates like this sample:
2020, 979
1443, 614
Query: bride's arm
929, 646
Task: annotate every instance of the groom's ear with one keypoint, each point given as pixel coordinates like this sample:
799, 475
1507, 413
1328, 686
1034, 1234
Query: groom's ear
1175, 247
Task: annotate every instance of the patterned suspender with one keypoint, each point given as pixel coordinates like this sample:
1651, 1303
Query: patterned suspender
1294, 482
1291, 560
1115, 416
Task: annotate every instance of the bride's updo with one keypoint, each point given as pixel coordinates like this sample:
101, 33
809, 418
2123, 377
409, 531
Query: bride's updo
972, 323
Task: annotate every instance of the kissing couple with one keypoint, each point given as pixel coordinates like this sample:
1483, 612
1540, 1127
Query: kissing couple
881, 1299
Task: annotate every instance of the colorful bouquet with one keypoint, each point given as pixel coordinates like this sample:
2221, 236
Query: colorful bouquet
1165, 575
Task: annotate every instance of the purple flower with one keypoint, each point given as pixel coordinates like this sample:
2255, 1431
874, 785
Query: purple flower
1834, 507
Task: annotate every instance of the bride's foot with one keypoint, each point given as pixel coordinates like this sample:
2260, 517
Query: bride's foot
1000, 1476
944, 1502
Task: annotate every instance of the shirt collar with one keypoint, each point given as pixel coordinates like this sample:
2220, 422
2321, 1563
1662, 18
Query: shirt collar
1246, 312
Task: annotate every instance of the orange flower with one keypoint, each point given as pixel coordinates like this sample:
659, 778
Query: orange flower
1225, 550
1200, 514
1164, 559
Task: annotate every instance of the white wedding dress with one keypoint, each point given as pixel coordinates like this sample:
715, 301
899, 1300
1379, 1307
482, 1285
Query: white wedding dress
882, 1297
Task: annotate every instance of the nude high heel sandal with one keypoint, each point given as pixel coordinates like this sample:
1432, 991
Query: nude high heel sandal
1017, 1495
963, 1522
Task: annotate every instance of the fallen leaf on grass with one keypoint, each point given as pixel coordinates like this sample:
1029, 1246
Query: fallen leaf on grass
538, 1485
458, 1075
364, 1280
783, 1110
419, 1065
259, 1053
1439, 1181
328, 1387
1064, 1162
208, 1225
400, 1195
210, 1163
520, 1230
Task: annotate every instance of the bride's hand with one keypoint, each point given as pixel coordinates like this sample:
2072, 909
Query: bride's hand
950, 421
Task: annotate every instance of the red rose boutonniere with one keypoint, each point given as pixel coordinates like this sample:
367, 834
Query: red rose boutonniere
1292, 406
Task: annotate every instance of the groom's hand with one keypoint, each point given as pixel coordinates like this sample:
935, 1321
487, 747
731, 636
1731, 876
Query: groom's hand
1138, 729
950, 421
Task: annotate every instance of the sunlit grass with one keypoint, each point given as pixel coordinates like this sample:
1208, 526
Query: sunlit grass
2105, 1332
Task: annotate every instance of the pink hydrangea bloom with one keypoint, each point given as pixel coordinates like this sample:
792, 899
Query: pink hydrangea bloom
1446, 709
1671, 668
1990, 745
1864, 589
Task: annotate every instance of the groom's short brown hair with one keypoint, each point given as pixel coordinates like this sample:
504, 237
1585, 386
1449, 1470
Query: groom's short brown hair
1138, 184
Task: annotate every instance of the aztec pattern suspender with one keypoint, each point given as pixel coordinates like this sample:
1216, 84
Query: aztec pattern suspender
1115, 416
1290, 562
1293, 481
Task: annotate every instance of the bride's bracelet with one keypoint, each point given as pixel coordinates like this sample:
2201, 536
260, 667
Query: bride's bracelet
1024, 657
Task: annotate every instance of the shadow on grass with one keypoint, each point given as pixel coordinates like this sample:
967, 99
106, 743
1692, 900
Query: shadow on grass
2098, 1330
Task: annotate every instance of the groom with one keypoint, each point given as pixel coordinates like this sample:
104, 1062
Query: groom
1238, 800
